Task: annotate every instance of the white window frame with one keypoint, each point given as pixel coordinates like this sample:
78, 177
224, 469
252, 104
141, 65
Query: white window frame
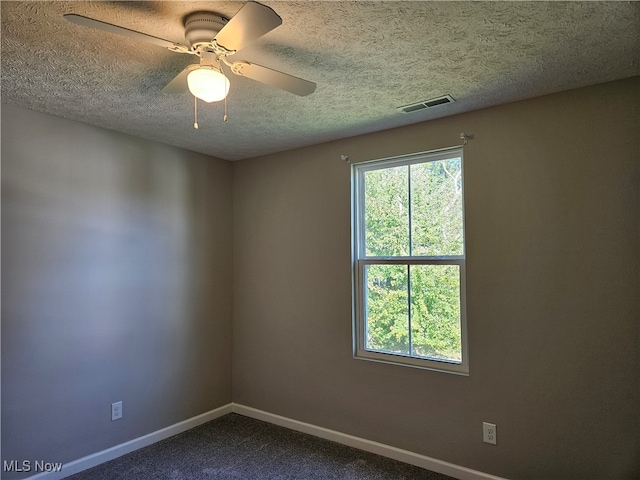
360, 260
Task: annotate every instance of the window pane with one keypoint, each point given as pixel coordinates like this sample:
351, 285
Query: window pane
436, 208
387, 212
435, 311
387, 309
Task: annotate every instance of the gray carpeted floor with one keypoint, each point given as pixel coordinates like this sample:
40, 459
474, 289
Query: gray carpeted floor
237, 447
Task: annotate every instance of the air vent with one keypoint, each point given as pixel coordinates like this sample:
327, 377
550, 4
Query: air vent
434, 102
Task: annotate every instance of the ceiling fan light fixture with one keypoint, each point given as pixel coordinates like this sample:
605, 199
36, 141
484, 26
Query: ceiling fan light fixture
208, 84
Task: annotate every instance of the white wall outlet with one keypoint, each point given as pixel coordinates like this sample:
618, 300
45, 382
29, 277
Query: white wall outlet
489, 433
116, 411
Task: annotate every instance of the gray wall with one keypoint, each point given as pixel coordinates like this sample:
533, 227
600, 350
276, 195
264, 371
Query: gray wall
116, 285
552, 210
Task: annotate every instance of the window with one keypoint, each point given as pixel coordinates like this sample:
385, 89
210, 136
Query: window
409, 261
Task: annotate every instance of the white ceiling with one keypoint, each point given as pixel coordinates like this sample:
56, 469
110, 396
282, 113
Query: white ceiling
366, 57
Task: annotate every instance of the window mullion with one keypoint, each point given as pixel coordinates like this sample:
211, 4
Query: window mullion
409, 308
409, 210
412, 261
410, 254
362, 241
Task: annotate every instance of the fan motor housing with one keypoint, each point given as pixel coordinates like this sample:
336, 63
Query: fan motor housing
202, 27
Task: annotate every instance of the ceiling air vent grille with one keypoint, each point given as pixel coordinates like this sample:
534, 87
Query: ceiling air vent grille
434, 102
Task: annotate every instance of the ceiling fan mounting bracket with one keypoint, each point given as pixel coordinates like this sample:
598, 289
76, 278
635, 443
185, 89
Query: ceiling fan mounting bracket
220, 50
201, 28
236, 67
180, 49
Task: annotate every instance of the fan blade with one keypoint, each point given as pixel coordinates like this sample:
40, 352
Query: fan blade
251, 22
179, 82
274, 78
108, 27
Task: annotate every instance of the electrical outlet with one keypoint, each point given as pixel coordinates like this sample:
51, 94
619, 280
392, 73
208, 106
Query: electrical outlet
489, 433
116, 411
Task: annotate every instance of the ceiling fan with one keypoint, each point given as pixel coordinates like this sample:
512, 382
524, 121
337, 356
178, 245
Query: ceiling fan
213, 39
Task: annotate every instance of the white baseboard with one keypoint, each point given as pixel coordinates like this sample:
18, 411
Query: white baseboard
394, 453
114, 452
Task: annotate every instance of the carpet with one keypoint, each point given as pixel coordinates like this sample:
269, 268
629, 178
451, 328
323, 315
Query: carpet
237, 447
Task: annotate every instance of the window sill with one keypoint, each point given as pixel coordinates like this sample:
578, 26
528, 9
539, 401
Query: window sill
406, 361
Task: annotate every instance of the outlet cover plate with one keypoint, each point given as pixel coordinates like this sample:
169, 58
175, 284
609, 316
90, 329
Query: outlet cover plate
489, 433
116, 411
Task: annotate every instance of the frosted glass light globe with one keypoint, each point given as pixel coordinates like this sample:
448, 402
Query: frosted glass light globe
208, 84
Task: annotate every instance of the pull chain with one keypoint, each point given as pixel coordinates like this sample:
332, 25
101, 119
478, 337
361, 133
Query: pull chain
225, 117
195, 112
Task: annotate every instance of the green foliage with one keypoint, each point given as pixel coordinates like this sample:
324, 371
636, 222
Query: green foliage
414, 210
387, 212
387, 308
435, 311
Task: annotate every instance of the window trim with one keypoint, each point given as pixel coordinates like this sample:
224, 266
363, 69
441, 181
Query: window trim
360, 261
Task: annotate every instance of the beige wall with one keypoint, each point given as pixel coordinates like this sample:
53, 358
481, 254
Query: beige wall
116, 285
552, 217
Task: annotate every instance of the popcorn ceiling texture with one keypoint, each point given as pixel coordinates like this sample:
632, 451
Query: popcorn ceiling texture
366, 57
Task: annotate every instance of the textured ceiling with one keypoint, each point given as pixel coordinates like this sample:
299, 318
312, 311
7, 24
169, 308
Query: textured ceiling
366, 57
